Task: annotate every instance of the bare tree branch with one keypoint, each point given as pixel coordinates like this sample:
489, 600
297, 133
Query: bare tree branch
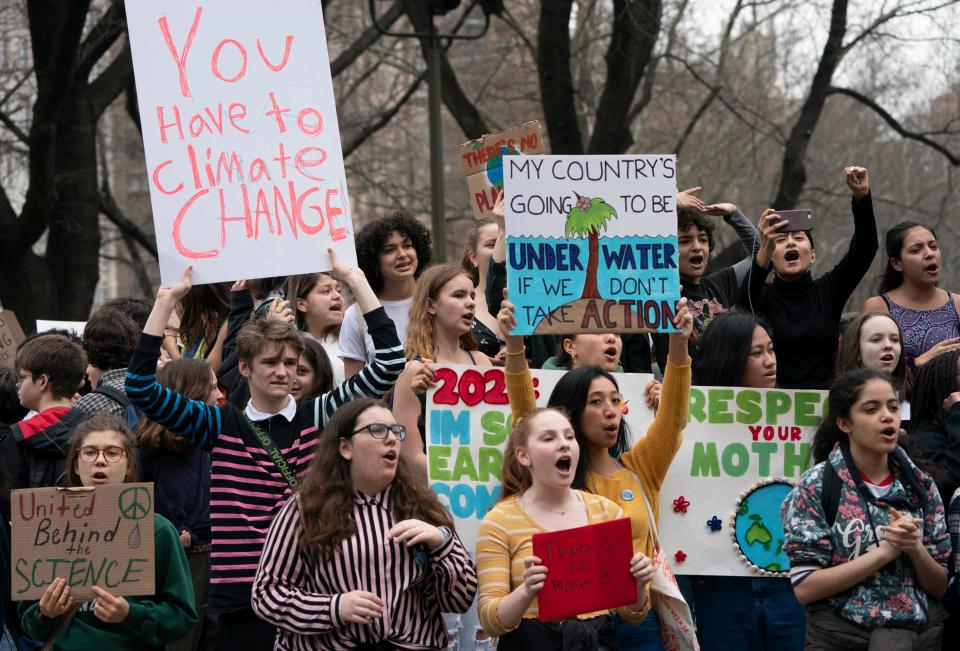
100, 39
370, 36
895, 124
383, 118
17, 131
113, 212
463, 110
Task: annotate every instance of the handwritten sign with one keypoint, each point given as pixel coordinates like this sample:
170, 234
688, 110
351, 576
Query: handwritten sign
101, 536
481, 162
736, 440
11, 336
588, 569
591, 243
241, 136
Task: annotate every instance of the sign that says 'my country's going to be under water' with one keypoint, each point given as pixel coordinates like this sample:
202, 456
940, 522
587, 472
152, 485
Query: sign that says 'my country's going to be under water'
99, 536
591, 243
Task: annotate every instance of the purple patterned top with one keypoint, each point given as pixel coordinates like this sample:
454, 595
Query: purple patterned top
924, 329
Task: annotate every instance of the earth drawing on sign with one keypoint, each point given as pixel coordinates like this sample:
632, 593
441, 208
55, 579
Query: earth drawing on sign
756, 527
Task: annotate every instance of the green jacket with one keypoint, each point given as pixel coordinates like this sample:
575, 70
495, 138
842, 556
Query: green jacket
152, 623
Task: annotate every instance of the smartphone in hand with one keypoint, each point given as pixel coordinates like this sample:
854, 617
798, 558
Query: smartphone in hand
797, 220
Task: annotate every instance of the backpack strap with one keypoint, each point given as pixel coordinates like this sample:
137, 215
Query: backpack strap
830, 492
114, 394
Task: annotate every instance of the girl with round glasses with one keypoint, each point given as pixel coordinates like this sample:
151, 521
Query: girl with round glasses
363, 555
101, 454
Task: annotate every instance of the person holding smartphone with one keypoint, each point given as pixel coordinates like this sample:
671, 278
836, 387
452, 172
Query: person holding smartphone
805, 313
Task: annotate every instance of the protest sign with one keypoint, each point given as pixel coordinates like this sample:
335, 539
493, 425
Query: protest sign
468, 421
11, 336
241, 138
591, 243
736, 440
481, 162
76, 327
720, 502
588, 569
99, 536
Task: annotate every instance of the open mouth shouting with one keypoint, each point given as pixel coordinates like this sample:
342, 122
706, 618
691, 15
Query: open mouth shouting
792, 255
697, 261
610, 354
887, 360
932, 268
391, 456
99, 477
889, 434
565, 465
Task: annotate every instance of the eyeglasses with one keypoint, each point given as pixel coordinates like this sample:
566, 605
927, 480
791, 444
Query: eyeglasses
30, 376
379, 430
90, 453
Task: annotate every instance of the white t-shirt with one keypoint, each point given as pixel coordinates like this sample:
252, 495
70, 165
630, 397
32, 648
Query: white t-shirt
331, 344
352, 346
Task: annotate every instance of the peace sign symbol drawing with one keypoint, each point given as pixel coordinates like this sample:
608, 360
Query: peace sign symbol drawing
134, 503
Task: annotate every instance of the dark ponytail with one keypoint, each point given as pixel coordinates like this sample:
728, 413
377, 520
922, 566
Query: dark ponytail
843, 395
893, 245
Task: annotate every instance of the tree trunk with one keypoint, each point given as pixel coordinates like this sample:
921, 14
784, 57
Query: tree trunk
73, 241
793, 172
556, 81
636, 25
590, 282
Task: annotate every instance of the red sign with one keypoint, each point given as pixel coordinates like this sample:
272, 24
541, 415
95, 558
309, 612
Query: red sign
588, 569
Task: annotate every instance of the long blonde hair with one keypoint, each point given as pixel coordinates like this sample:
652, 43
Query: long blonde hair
421, 329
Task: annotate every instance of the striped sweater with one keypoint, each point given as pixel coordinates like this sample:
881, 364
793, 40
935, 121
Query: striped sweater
301, 594
247, 489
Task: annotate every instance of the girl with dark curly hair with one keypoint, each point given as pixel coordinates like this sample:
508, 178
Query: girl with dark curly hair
391, 252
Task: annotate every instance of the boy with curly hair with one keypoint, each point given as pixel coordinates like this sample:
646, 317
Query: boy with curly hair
391, 252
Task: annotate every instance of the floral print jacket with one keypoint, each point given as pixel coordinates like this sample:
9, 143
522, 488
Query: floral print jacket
890, 597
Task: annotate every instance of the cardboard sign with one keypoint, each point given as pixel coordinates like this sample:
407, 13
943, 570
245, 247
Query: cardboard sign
241, 137
588, 569
11, 336
736, 439
467, 424
91, 537
481, 162
592, 243
76, 327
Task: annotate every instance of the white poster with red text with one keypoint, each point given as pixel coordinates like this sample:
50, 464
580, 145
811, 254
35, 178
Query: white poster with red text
241, 138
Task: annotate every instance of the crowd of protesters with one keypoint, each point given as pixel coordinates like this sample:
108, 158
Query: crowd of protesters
282, 424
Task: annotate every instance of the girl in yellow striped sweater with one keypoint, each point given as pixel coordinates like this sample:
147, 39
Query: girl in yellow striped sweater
538, 469
609, 466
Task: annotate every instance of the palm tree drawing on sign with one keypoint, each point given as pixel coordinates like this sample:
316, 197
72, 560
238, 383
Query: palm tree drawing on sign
586, 219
